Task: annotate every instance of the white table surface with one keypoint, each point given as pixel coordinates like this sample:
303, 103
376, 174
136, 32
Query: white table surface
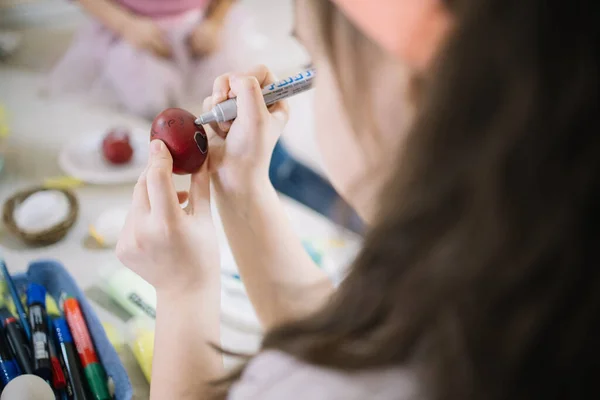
38, 128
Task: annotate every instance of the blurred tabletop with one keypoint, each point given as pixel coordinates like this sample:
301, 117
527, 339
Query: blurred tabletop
38, 128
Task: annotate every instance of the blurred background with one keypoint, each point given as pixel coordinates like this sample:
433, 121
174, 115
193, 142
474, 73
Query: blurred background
46, 28
37, 33
68, 82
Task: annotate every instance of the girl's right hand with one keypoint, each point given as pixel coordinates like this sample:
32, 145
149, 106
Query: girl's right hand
144, 34
242, 160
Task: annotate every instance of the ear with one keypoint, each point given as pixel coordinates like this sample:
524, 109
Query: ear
412, 30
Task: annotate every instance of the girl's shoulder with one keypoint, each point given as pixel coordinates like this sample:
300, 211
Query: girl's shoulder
276, 375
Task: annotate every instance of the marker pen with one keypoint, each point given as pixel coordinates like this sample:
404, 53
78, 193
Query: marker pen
8, 366
227, 110
18, 344
68, 392
69, 356
36, 301
16, 299
93, 370
58, 377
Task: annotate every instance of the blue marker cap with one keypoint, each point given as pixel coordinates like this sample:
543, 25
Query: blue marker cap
61, 330
36, 294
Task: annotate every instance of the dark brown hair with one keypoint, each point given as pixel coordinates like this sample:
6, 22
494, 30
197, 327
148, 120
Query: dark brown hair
482, 271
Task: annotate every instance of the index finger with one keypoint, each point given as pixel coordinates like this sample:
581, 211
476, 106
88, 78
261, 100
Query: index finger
222, 91
159, 180
222, 85
265, 77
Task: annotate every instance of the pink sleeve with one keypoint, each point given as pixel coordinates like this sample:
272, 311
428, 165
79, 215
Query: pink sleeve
275, 375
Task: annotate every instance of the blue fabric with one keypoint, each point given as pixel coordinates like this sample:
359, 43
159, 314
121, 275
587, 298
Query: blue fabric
301, 183
55, 278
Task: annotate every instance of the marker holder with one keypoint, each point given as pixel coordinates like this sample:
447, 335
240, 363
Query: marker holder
56, 279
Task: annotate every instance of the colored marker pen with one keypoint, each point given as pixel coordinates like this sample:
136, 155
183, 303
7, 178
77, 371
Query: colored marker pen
8, 367
67, 393
93, 370
58, 377
18, 344
36, 302
69, 356
16, 299
227, 110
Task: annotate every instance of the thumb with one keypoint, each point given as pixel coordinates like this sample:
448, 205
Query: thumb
159, 180
200, 191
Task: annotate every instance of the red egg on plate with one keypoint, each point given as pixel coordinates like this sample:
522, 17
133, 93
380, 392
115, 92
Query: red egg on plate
116, 147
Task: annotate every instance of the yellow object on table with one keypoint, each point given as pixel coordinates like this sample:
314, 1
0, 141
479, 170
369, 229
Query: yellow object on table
62, 182
114, 336
4, 130
141, 342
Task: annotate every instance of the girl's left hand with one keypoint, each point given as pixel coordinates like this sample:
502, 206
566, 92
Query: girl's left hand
205, 39
174, 249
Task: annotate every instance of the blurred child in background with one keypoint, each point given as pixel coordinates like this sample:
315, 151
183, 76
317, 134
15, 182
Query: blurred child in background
147, 55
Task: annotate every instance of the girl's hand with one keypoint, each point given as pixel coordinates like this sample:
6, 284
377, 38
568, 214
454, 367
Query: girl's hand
144, 34
174, 249
243, 158
205, 39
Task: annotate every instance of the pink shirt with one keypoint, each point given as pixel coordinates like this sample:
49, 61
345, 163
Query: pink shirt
273, 375
163, 8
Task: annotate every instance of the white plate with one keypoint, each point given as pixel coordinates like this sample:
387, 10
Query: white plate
82, 159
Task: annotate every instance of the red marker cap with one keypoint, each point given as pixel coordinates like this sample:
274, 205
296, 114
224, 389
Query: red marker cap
80, 333
58, 377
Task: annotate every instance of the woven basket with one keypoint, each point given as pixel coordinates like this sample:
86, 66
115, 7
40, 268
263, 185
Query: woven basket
49, 236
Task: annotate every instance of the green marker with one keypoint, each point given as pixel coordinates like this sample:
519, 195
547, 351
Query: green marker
92, 369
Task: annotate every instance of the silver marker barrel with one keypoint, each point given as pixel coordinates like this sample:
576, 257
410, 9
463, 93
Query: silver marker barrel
227, 110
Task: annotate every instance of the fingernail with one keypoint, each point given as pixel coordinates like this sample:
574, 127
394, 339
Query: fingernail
156, 146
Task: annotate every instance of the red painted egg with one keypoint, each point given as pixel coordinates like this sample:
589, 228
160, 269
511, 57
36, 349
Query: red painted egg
116, 147
186, 141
